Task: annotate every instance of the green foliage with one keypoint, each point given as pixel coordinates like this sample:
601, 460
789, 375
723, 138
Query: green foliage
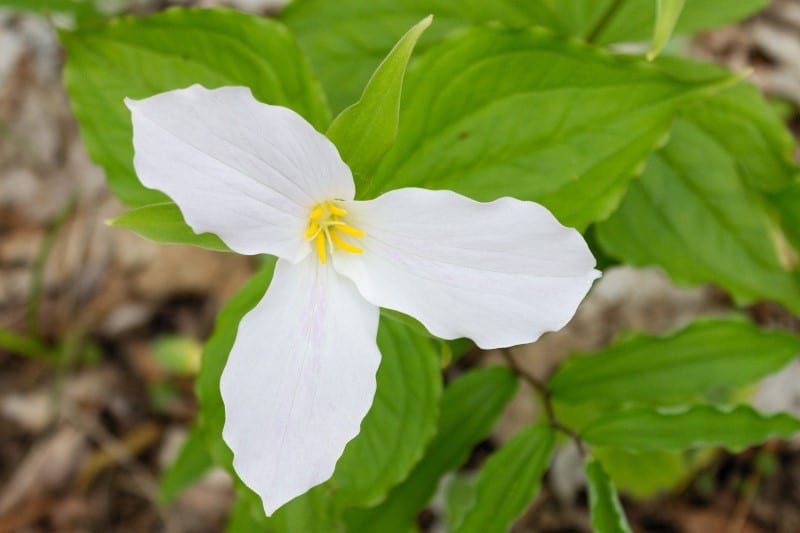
215, 355
705, 356
470, 406
667, 14
695, 213
164, 223
516, 107
395, 431
346, 40
597, 118
607, 513
136, 58
366, 130
679, 429
509, 480
400, 423
192, 462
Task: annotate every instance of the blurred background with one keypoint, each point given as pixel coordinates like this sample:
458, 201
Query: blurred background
101, 331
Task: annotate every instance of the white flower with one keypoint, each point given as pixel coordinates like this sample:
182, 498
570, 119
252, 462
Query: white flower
301, 374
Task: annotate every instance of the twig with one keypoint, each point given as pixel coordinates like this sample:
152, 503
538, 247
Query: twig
547, 400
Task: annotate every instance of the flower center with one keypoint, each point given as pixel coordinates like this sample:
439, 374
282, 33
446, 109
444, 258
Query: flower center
326, 228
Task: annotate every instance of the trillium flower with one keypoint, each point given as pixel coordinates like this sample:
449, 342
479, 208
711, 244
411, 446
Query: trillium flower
301, 374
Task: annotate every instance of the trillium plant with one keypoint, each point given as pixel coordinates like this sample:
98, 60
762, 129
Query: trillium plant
301, 374
415, 195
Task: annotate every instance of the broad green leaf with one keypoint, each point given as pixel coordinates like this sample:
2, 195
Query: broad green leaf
633, 20
741, 121
667, 14
678, 429
192, 462
246, 516
495, 112
697, 213
644, 474
367, 129
164, 223
400, 422
606, 511
313, 511
509, 480
470, 407
136, 58
346, 39
707, 355
215, 355
787, 203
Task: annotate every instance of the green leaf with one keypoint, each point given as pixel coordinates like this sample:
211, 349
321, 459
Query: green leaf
742, 122
192, 462
644, 474
164, 223
247, 515
787, 203
701, 425
509, 480
346, 39
136, 58
400, 422
313, 511
470, 407
667, 14
707, 355
699, 211
607, 513
634, 19
366, 130
576, 124
215, 355
84, 11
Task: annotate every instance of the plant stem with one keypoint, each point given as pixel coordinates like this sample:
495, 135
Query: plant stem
546, 398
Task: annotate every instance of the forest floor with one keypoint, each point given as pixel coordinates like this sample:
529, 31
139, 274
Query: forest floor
86, 429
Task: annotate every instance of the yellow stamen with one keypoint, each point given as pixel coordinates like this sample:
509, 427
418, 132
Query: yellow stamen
317, 212
349, 230
343, 245
338, 211
320, 244
312, 230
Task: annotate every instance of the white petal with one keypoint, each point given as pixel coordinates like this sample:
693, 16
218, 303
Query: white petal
299, 380
247, 171
501, 273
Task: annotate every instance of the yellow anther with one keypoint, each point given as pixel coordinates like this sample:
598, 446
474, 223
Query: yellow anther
349, 230
338, 211
341, 244
324, 228
317, 212
312, 230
